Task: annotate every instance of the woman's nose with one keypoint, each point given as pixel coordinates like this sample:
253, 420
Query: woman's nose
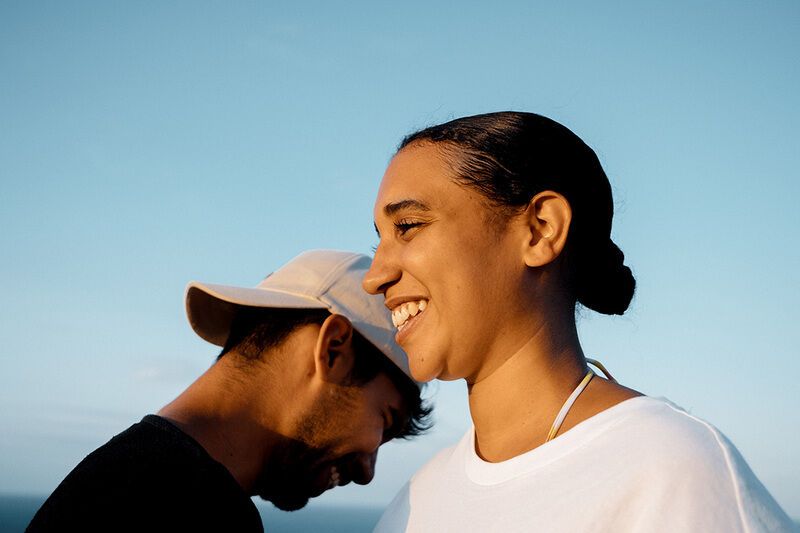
381, 273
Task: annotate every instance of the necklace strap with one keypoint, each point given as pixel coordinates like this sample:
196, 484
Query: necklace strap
562, 414
597, 364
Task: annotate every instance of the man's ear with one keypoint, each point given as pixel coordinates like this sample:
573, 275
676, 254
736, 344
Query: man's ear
547, 219
333, 353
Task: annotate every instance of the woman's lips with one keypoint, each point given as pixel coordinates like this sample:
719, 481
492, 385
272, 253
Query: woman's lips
407, 310
410, 324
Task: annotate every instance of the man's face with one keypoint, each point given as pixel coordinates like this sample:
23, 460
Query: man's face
335, 442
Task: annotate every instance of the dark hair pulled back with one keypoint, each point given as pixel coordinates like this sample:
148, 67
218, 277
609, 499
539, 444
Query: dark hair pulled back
509, 157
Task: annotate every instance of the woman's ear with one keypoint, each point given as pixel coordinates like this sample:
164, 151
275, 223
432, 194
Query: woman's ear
333, 353
547, 217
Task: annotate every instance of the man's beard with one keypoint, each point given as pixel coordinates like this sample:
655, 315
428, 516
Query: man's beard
287, 483
289, 479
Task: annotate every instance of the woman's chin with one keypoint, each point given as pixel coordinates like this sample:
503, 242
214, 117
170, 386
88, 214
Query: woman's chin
422, 371
427, 369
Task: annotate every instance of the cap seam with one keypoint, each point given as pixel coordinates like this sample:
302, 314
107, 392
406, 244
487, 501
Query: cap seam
293, 293
327, 282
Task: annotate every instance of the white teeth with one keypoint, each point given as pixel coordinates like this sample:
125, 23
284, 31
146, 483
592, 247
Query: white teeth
403, 312
334, 477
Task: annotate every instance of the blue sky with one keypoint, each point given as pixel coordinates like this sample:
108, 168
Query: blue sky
147, 144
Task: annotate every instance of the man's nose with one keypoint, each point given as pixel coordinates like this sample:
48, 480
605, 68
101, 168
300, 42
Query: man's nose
364, 467
381, 273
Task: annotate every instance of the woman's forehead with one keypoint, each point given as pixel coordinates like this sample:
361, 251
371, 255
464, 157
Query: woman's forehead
418, 178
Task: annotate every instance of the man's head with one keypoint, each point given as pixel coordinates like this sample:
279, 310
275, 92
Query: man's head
340, 396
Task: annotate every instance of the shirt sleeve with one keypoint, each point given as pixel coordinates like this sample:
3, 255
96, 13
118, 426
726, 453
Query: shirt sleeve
758, 509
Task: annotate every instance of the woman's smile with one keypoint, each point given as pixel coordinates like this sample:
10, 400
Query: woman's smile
444, 277
403, 313
406, 317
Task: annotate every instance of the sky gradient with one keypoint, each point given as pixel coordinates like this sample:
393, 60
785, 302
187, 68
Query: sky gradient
144, 145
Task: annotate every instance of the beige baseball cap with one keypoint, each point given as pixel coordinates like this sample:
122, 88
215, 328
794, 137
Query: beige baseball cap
316, 279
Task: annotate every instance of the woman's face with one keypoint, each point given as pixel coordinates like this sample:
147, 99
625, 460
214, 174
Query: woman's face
449, 271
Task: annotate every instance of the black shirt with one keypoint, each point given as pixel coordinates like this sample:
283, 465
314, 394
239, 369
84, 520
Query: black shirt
150, 477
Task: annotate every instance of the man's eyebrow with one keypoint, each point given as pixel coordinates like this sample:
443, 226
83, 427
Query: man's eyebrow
394, 207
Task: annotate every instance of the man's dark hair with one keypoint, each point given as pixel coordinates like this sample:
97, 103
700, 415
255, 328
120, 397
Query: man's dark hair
256, 329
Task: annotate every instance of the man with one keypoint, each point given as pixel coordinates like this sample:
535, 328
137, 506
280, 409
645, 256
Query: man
308, 385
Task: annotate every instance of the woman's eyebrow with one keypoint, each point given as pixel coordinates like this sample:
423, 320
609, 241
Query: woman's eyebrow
394, 207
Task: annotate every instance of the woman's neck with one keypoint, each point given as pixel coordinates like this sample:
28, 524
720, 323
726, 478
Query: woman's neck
514, 405
515, 402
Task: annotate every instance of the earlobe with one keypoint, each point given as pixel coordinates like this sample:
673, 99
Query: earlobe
333, 353
548, 218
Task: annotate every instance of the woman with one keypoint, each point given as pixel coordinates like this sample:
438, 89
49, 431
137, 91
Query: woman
492, 228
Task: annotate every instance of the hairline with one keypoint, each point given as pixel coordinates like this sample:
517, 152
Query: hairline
495, 214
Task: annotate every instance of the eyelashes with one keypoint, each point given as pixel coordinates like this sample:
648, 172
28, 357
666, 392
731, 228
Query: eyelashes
401, 227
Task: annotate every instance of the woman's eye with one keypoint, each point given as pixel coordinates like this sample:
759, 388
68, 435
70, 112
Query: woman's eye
404, 226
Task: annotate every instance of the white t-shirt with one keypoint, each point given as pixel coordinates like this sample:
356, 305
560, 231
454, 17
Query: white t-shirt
642, 465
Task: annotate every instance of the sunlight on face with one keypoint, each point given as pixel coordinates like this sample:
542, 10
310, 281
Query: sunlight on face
447, 275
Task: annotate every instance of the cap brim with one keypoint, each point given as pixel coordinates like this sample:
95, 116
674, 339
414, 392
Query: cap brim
210, 308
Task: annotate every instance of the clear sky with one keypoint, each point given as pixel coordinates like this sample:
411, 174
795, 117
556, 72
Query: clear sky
146, 144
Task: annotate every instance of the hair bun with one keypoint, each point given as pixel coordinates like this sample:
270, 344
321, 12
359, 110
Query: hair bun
603, 283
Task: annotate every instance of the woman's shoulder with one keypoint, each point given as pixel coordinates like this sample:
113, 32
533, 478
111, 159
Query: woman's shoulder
663, 441
445, 464
683, 458
427, 483
658, 426
445, 459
